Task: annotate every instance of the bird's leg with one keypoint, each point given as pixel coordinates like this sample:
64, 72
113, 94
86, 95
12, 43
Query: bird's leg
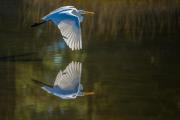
37, 24
88, 93
41, 83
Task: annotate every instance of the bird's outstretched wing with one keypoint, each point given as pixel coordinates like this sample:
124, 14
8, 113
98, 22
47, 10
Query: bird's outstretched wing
69, 26
69, 79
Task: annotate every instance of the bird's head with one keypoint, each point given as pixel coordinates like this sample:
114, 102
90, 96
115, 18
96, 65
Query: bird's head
85, 12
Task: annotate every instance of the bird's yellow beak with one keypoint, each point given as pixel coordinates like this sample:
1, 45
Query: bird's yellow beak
87, 12
88, 93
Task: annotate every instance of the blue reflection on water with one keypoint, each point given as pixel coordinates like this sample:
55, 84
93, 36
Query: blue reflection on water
57, 59
55, 51
60, 45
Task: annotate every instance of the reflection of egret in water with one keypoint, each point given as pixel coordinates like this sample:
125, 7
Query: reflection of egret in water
67, 83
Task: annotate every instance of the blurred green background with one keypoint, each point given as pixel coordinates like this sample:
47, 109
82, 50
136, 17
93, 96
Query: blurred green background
130, 60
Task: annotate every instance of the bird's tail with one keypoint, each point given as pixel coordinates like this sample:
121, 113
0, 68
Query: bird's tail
40, 83
37, 23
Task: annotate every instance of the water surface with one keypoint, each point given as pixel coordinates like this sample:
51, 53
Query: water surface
130, 60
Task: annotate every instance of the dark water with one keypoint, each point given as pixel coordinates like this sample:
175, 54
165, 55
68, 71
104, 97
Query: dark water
130, 61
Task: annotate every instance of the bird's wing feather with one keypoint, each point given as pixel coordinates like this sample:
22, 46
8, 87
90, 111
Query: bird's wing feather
70, 77
69, 26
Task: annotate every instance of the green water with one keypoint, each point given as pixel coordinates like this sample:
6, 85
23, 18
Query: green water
130, 60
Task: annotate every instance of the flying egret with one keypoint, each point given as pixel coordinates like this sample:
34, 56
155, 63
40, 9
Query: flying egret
67, 83
68, 20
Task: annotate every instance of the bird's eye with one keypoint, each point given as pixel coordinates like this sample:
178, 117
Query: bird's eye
74, 12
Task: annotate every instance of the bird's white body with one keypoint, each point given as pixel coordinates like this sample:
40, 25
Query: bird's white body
68, 20
65, 9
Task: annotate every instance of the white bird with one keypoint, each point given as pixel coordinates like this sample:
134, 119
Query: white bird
67, 83
68, 20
